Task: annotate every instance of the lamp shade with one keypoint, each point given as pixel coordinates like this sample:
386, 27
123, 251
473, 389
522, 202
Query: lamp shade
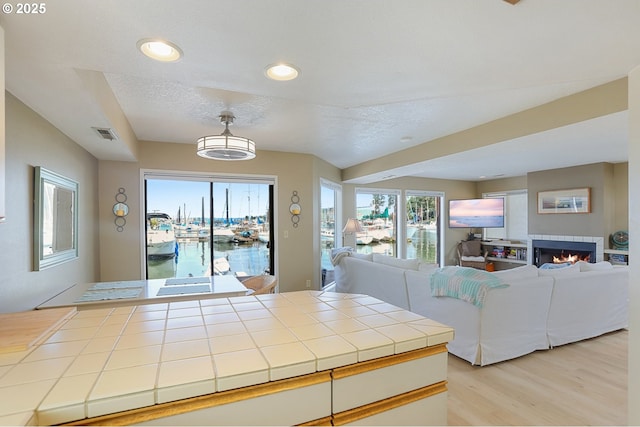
352, 226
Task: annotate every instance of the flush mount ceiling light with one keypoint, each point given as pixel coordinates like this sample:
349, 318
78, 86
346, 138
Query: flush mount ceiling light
160, 50
226, 146
281, 72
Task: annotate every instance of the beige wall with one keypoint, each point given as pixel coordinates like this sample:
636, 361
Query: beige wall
609, 185
120, 252
598, 177
32, 141
297, 256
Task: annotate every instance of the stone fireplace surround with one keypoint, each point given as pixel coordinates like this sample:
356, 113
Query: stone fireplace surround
599, 241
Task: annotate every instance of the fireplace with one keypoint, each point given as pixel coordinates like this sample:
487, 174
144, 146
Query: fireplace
544, 251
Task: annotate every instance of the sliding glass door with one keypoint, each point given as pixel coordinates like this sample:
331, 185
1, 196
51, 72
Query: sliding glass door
202, 226
377, 213
330, 227
241, 228
423, 213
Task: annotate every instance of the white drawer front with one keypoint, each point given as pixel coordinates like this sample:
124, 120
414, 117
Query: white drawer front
288, 407
353, 391
430, 411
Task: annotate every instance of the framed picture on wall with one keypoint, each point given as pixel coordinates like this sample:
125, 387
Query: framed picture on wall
577, 200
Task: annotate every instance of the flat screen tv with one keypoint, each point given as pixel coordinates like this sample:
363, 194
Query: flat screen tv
476, 213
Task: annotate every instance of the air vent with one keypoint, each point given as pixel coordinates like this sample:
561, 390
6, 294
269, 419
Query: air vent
106, 133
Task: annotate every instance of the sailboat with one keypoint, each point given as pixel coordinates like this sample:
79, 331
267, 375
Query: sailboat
161, 238
363, 238
203, 230
224, 234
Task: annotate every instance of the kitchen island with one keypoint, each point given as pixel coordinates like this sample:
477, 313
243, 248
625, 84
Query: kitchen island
306, 357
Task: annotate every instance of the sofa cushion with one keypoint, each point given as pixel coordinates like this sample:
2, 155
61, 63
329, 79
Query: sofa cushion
522, 272
555, 272
366, 257
407, 264
587, 266
471, 248
427, 267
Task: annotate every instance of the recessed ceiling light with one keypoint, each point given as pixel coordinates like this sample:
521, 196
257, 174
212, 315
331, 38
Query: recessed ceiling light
281, 72
160, 50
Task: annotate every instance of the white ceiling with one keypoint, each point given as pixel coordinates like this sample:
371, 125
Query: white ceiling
376, 76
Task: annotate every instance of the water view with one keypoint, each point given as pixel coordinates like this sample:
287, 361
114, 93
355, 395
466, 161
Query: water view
192, 260
217, 227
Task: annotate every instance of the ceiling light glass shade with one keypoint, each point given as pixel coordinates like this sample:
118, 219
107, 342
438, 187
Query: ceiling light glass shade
160, 50
226, 146
281, 72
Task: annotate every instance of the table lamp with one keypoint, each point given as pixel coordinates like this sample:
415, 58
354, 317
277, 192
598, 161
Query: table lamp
351, 228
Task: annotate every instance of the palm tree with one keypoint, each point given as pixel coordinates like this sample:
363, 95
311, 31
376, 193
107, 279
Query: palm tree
377, 202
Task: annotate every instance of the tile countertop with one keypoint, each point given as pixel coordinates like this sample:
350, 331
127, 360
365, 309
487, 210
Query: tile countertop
89, 296
113, 359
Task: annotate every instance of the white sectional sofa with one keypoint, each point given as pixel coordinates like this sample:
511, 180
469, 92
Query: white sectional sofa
538, 310
589, 303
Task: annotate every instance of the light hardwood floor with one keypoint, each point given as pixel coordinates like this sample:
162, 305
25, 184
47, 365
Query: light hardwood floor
583, 383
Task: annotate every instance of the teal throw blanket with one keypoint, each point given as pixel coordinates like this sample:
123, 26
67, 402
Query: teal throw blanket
465, 283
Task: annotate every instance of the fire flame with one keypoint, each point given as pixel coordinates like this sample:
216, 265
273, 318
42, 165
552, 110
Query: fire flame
570, 258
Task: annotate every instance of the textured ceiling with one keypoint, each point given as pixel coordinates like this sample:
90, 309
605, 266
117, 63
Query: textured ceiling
376, 76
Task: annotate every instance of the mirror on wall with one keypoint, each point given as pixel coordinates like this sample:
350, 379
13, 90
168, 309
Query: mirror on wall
55, 219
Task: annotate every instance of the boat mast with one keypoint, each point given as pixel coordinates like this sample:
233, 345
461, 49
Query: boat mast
226, 206
202, 222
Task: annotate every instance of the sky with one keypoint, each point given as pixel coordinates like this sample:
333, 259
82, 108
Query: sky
477, 207
169, 195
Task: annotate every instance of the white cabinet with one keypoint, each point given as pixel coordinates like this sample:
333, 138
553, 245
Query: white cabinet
410, 390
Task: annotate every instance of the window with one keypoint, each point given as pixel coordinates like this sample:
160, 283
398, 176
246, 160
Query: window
201, 226
423, 212
330, 234
515, 219
376, 211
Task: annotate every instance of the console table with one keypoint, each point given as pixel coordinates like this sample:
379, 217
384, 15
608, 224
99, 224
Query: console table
308, 357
